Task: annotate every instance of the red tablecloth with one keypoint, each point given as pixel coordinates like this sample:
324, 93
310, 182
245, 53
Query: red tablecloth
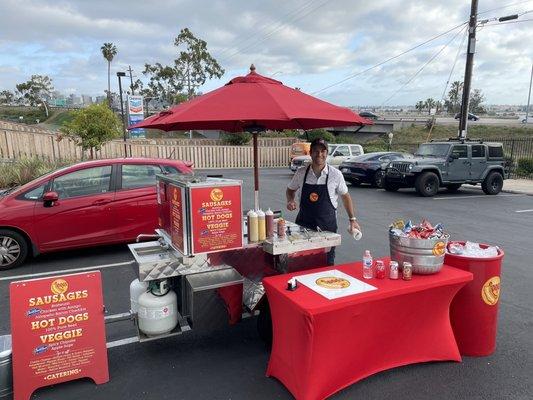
321, 346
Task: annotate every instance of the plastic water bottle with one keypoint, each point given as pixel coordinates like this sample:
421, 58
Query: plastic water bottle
368, 272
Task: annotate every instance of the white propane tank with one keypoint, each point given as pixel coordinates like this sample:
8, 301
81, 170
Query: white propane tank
157, 315
136, 289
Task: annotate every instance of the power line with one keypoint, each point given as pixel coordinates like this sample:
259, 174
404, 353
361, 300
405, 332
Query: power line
265, 27
423, 66
388, 59
273, 31
508, 5
454, 63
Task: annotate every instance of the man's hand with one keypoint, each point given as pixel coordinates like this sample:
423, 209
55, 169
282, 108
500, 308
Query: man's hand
354, 225
291, 205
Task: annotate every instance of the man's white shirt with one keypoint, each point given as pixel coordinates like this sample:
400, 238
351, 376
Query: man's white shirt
336, 183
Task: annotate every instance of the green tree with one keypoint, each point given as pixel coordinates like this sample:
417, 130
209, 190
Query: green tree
195, 64
36, 90
191, 69
109, 51
6, 97
163, 83
453, 102
420, 105
93, 126
430, 103
476, 98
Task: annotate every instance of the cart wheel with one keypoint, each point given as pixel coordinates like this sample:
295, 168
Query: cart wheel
264, 323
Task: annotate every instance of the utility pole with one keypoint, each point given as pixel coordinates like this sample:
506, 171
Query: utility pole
120, 75
529, 94
131, 80
468, 70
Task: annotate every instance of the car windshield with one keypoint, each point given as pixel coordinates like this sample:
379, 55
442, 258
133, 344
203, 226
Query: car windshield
433, 150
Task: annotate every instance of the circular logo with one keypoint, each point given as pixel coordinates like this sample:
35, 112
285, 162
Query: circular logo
490, 292
332, 282
59, 286
439, 249
313, 197
216, 194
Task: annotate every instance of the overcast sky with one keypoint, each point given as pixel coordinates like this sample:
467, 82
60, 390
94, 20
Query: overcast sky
310, 44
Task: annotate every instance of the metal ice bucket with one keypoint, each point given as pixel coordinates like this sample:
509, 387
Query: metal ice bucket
426, 255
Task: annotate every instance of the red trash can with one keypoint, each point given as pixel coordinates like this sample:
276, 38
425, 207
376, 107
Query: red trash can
474, 310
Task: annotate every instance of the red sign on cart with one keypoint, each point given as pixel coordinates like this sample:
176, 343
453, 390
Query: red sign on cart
58, 334
216, 218
177, 219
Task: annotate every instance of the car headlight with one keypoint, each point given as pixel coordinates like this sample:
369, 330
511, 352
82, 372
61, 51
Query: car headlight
410, 167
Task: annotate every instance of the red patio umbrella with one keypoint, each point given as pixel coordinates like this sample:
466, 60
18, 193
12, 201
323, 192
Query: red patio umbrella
253, 103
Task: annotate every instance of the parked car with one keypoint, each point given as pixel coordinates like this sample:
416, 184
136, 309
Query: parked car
370, 167
449, 164
369, 115
299, 149
337, 153
471, 117
87, 204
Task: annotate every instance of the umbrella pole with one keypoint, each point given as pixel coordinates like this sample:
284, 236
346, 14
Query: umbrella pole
256, 172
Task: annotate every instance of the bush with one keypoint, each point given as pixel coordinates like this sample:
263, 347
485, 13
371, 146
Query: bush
319, 133
25, 170
525, 166
236, 139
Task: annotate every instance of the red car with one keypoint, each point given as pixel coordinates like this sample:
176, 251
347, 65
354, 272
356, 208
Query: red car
87, 204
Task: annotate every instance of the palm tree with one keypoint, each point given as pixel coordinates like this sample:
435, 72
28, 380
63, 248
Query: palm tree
430, 103
420, 106
109, 51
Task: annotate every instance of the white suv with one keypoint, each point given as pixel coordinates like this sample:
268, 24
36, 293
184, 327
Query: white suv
337, 153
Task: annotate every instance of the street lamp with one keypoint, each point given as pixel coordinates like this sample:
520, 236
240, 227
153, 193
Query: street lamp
120, 75
390, 135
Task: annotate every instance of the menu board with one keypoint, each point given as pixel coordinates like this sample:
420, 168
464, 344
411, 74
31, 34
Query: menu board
58, 333
216, 215
177, 219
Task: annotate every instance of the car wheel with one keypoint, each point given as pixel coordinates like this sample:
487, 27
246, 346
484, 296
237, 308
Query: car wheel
389, 186
427, 184
493, 183
379, 178
454, 187
13, 249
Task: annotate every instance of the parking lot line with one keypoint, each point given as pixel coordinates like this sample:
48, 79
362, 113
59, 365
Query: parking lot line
476, 196
521, 211
66, 271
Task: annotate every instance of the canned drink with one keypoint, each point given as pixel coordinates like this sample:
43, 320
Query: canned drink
407, 271
393, 267
380, 269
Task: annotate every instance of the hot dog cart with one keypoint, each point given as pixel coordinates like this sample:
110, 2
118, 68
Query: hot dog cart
202, 272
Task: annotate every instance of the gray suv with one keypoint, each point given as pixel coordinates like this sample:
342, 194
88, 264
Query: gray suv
449, 164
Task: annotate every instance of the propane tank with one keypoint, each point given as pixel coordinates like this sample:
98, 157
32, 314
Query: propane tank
158, 309
136, 289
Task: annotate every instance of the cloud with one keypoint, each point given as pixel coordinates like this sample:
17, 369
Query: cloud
306, 43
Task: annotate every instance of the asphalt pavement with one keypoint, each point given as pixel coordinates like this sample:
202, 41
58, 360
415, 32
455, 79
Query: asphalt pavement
231, 363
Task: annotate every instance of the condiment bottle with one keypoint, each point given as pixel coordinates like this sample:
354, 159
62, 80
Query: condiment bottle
261, 225
253, 234
407, 271
368, 272
393, 265
380, 269
269, 220
281, 228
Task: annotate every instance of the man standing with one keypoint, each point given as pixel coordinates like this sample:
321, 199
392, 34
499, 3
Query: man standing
321, 185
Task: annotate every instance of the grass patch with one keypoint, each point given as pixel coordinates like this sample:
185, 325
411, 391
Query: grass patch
25, 170
30, 114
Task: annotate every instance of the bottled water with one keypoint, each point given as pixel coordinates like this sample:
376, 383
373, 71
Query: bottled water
368, 272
